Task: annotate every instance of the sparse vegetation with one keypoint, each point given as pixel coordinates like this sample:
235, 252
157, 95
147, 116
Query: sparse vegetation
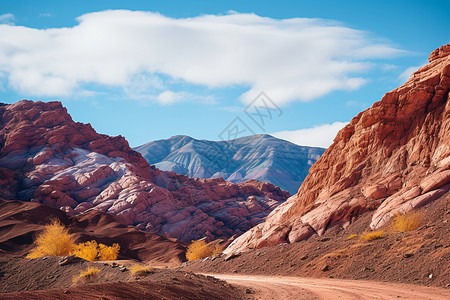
200, 249
406, 222
93, 251
352, 236
108, 252
87, 251
140, 270
373, 235
56, 240
88, 275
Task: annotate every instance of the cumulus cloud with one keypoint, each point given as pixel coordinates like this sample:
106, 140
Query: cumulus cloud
7, 19
289, 59
318, 136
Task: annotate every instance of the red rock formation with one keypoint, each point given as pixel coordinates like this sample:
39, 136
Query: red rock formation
392, 157
45, 157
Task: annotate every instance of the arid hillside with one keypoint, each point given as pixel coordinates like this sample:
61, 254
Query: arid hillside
419, 257
21, 222
392, 158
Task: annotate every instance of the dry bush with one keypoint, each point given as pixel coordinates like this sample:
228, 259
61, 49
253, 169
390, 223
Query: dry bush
87, 276
93, 251
373, 235
55, 240
87, 251
140, 270
200, 249
406, 222
108, 252
352, 236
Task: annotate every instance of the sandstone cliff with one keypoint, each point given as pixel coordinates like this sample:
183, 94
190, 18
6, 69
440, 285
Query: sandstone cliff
46, 157
393, 157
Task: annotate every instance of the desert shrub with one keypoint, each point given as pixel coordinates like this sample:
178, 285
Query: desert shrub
55, 240
200, 249
108, 252
93, 251
140, 270
406, 222
87, 251
373, 235
352, 236
88, 275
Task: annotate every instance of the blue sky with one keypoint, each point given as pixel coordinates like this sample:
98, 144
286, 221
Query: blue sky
149, 70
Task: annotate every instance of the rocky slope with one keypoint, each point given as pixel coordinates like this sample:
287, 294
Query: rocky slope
392, 158
45, 157
261, 157
406, 257
20, 222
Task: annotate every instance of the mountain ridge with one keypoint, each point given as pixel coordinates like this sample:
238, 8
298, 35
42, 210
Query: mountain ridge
46, 157
261, 157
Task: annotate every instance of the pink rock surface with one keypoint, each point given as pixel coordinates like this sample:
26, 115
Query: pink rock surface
392, 157
48, 158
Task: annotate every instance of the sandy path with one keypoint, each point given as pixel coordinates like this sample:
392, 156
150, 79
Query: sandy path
277, 287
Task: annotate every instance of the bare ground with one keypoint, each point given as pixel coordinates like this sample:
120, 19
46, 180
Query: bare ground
295, 288
420, 257
46, 279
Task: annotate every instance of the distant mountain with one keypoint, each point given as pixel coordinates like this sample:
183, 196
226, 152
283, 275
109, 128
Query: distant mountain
262, 157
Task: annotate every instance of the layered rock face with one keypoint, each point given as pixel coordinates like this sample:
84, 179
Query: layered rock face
391, 158
45, 157
261, 157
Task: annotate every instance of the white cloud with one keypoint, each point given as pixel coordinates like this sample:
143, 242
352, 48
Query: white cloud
405, 75
289, 59
7, 19
169, 97
318, 136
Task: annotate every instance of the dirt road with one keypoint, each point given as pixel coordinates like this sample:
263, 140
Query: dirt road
276, 287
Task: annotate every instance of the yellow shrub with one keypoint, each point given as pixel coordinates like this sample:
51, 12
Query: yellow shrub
93, 251
406, 222
55, 240
87, 251
200, 249
351, 236
140, 270
373, 235
108, 252
88, 275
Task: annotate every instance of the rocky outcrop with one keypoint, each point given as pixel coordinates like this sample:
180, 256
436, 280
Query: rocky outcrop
391, 158
261, 157
45, 157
